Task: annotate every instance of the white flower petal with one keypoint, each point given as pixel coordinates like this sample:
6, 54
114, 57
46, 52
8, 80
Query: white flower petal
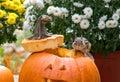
106, 1
118, 11
103, 18
64, 12
88, 11
57, 11
77, 4
19, 33
50, 9
109, 24
26, 25
84, 24
39, 4
33, 18
76, 18
101, 25
115, 23
32, 2
115, 16
47, 1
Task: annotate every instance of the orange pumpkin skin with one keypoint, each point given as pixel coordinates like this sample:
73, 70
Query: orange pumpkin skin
6, 75
42, 65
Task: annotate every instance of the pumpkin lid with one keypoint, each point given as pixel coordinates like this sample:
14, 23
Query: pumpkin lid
47, 43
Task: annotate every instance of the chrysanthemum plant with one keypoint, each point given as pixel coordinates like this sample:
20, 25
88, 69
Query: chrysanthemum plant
96, 20
11, 18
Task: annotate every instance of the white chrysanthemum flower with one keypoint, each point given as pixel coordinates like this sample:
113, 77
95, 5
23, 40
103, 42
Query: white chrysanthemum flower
26, 15
28, 18
76, 4
115, 23
88, 11
103, 18
19, 33
26, 25
107, 6
57, 11
101, 25
32, 18
64, 12
84, 24
115, 16
76, 18
109, 23
20, 49
83, 16
68, 30
32, 2
39, 4
50, 9
118, 11
47, 1
106, 1
28, 9
26, 3
8, 48
87, 16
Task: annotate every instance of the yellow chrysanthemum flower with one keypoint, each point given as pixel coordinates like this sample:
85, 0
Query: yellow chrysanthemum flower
22, 1
21, 9
13, 15
4, 12
7, 4
1, 13
4, 4
11, 20
1, 25
5, 0
14, 7
22, 19
17, 2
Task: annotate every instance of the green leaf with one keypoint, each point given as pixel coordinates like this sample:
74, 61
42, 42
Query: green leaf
1, 52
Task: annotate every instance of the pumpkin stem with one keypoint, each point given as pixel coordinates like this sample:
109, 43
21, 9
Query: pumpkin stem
40, 31
63, 67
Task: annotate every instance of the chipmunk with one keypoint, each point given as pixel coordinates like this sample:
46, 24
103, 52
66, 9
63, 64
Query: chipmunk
40, 29
81, 44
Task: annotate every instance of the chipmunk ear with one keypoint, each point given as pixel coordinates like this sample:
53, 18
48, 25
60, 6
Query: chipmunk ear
88, 45
39, 19
42, 17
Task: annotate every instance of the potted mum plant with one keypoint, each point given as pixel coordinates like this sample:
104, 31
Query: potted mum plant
96, 20
11, 18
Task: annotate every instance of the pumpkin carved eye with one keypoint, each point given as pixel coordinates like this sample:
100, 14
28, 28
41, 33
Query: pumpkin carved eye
63, 67
49, 67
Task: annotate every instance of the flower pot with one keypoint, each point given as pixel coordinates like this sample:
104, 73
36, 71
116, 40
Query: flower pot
109, 67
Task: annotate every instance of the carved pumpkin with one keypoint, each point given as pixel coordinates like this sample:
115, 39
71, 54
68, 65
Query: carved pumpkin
58, 65
5, 75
